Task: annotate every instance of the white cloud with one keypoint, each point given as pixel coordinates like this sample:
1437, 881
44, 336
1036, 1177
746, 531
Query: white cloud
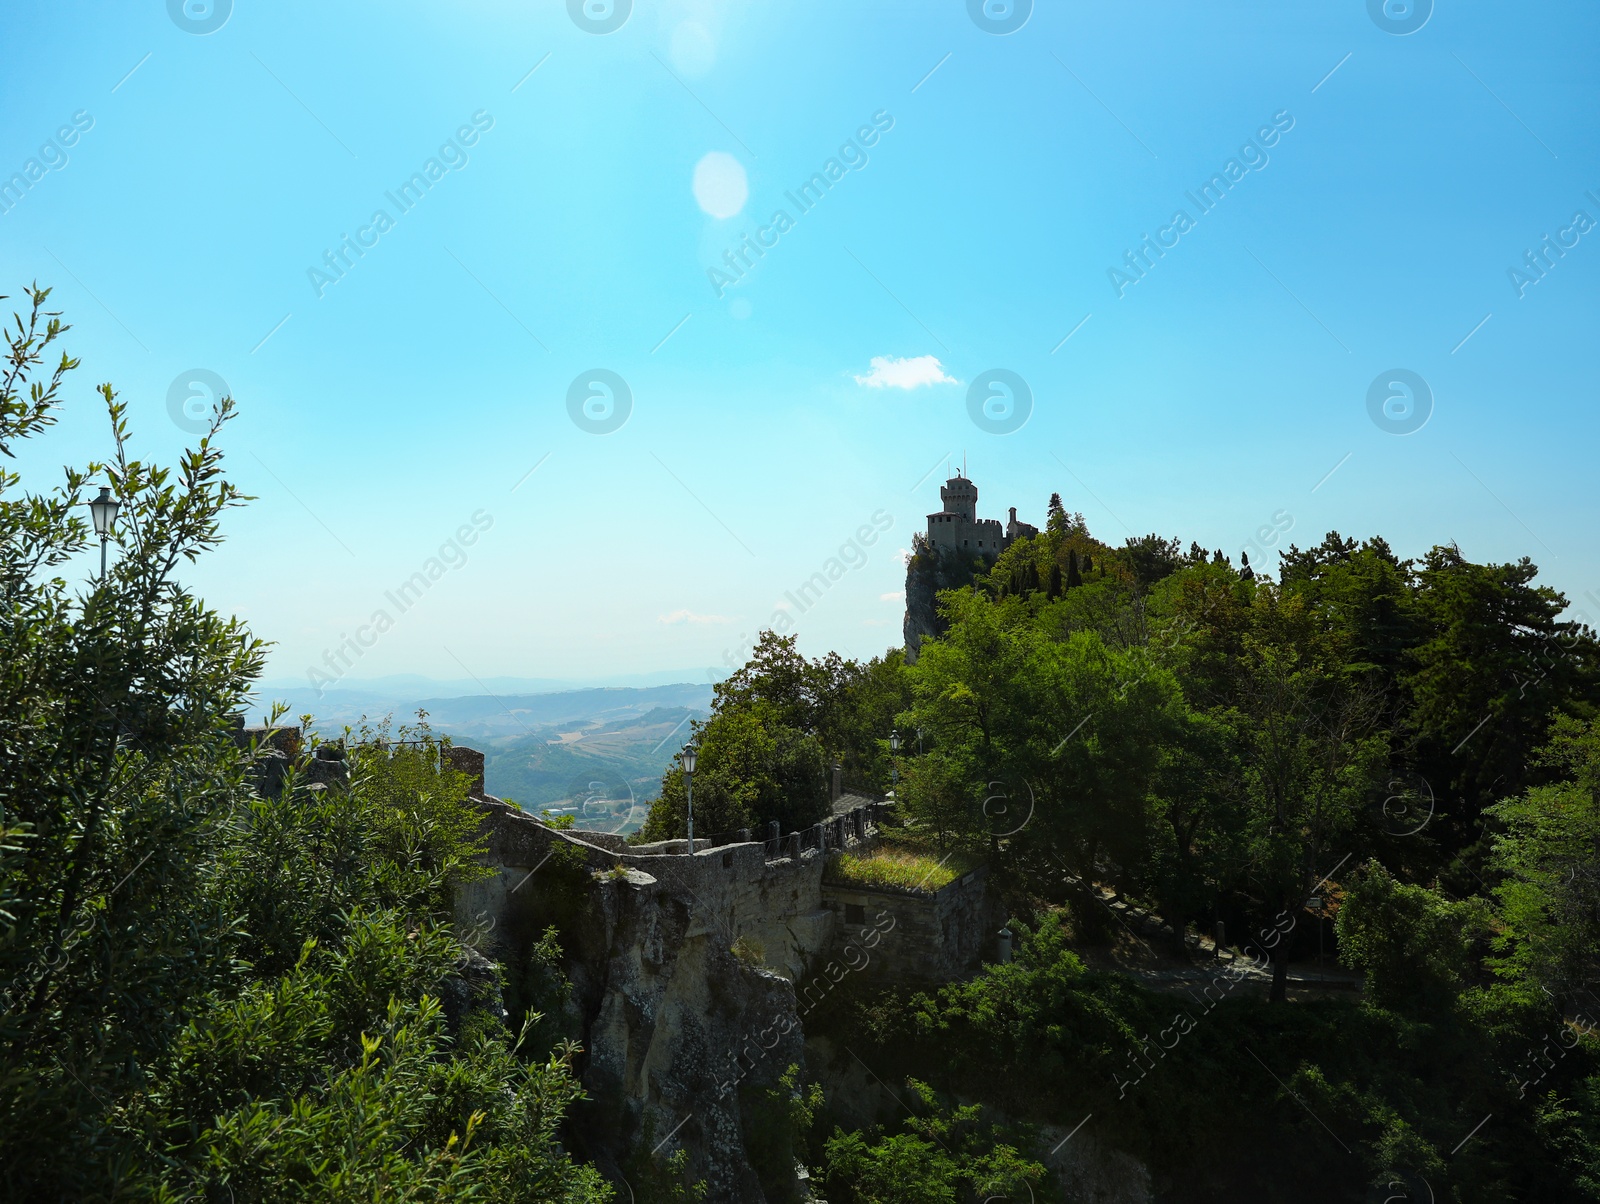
688, 616
720, 185
897, 596
891, 372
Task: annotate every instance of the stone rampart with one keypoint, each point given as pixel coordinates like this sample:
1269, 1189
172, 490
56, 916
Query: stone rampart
768, 892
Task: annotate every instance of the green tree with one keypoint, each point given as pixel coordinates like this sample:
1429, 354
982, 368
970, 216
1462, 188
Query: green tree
114, 697
943, 1154
1313, 759
209, 994
778, 724
751, 768
1495, 664
1414, 944
1056, 740
1547, 853
1151, 558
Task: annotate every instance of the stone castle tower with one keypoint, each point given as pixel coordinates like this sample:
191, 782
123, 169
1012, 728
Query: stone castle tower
958, 526
960, 544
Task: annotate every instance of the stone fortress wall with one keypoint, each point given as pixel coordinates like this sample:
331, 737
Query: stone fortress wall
770, 891
677, 1027
691, 973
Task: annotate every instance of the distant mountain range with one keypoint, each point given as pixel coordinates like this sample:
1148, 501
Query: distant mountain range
380, 695
597, 753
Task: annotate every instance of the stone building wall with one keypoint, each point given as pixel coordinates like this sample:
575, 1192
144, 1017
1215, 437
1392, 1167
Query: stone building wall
923, 937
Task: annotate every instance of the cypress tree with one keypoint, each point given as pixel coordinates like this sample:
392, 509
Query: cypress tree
1055, 581
1073, 576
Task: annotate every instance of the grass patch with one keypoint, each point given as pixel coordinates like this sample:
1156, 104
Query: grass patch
751, 953
904, 868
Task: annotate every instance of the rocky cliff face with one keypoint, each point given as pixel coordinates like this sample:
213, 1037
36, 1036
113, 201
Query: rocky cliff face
683, 1039
928, 571
684, 1043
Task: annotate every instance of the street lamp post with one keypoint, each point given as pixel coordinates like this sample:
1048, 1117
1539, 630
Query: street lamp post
688, 785
894, 764
104, 512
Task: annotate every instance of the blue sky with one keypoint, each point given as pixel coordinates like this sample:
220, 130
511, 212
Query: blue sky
426, 389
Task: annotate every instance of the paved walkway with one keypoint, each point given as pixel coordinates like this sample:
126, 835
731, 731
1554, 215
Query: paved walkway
1154, 964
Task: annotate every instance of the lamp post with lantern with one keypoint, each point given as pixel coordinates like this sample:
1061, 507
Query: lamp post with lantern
688, 786
104, 512
894, 763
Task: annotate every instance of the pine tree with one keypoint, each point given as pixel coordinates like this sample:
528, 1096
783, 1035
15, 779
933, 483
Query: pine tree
1056, 522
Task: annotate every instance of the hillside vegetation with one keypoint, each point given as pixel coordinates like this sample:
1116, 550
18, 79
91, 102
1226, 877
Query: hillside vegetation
1400, 754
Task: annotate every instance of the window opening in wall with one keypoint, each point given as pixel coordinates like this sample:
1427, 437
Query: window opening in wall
855, 913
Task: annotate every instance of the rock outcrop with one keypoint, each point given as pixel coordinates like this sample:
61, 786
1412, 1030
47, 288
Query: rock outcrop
686, 1040
667, 1015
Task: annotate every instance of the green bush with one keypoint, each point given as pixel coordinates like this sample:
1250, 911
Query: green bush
774, 1121
942, 1155
655, 1178
1412, 942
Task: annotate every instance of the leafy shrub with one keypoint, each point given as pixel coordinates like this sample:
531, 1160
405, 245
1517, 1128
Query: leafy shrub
774, 1120
1412, 941
654, 1178
943, 1155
